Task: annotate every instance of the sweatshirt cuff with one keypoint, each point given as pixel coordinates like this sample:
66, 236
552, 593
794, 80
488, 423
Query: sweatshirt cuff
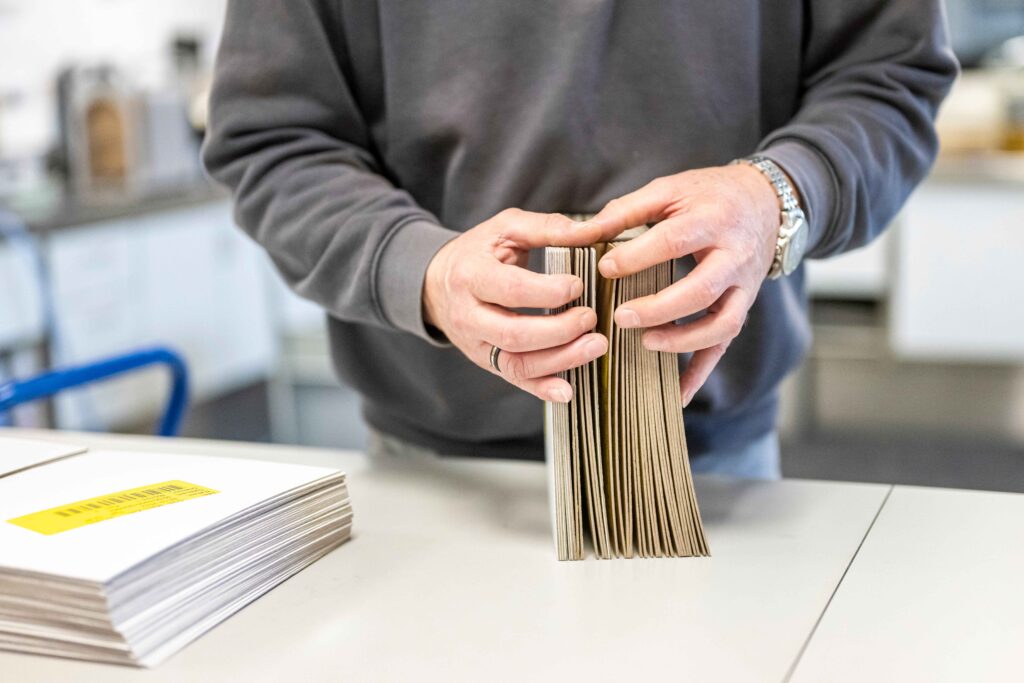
401, 268
815, 180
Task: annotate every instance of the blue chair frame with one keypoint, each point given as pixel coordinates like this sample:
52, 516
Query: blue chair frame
48, 384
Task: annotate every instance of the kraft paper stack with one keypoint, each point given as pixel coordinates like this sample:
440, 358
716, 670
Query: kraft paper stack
617, 453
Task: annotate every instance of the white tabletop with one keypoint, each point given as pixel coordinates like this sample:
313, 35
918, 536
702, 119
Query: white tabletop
935, 594
451, 575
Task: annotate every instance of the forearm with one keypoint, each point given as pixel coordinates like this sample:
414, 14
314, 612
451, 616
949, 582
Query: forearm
288, 138
864, 137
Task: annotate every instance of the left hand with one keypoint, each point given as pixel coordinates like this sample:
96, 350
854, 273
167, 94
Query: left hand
728, 218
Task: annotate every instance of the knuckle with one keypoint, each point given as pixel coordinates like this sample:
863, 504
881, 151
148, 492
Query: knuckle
711, 223
478, 318
707, 291
748, 252
675, 243
554, 222
510, 337
512, 288
659, 184
664, 188
742, 249
585, 321
459, 318
459, 277
509, 214
732, 324
614, 205
703, 230
517, 368
727, 212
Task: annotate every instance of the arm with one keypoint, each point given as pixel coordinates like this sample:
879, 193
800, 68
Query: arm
862, 138
287, 136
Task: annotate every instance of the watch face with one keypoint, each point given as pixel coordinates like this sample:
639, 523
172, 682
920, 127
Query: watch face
793, 252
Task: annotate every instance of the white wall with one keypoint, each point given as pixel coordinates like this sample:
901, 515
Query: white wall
38, 37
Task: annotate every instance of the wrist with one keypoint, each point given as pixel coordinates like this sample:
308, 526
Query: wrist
791, 240
765, 201
433, 288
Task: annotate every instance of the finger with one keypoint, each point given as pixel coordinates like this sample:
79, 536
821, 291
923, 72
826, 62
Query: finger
646, 205
721, 324
528, 230
517, 367
515, 332
701, 288
698, 370
553, 389
515, 287
672, 238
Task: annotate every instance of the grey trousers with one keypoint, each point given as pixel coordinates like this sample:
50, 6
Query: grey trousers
759, 459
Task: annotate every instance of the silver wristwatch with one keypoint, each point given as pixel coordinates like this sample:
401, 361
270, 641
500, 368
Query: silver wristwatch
792, 241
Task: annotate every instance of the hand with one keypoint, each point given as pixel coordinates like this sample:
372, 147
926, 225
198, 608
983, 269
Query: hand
475, 279
728, 218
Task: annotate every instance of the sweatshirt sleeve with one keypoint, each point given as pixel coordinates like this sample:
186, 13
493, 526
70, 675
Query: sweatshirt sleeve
874, 74
287, 137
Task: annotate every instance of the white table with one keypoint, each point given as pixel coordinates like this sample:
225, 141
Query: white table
451, 575
936, 593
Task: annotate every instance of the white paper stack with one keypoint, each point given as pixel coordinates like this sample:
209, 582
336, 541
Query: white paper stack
126, 557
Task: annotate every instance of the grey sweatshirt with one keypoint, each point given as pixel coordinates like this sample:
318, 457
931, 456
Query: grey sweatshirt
358, 136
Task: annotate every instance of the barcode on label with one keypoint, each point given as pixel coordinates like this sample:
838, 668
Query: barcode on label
98, 503
117, 504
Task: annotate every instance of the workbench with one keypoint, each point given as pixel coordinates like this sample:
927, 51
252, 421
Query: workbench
451, 575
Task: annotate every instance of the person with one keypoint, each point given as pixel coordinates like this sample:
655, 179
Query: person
400, 162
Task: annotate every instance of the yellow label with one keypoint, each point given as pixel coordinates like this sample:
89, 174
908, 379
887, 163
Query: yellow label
92, 510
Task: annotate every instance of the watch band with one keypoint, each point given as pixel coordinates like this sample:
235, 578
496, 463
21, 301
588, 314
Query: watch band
787, 200
778, 180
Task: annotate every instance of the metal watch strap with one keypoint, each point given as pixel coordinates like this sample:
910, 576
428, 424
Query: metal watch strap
778, 180
787, 200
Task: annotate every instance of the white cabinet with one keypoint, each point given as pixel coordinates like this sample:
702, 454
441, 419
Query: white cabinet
959, 288
184, 278
207, 293
862, 274
96, 277
21, 306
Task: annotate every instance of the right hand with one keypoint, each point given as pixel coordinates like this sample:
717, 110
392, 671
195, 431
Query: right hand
475, 279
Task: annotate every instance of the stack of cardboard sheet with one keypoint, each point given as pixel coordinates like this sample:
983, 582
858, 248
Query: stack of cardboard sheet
126, 557
617, 453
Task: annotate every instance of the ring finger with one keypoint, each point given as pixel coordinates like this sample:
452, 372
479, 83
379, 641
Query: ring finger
517, 367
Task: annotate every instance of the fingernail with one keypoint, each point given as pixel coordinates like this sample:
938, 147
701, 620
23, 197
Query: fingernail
594, 348
608, 267
687, 396
561, 395
625, 317
654, 341
576, 289
581, 225
588, 317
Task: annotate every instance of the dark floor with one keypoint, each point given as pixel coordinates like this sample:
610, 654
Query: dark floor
918, 459
239, 416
